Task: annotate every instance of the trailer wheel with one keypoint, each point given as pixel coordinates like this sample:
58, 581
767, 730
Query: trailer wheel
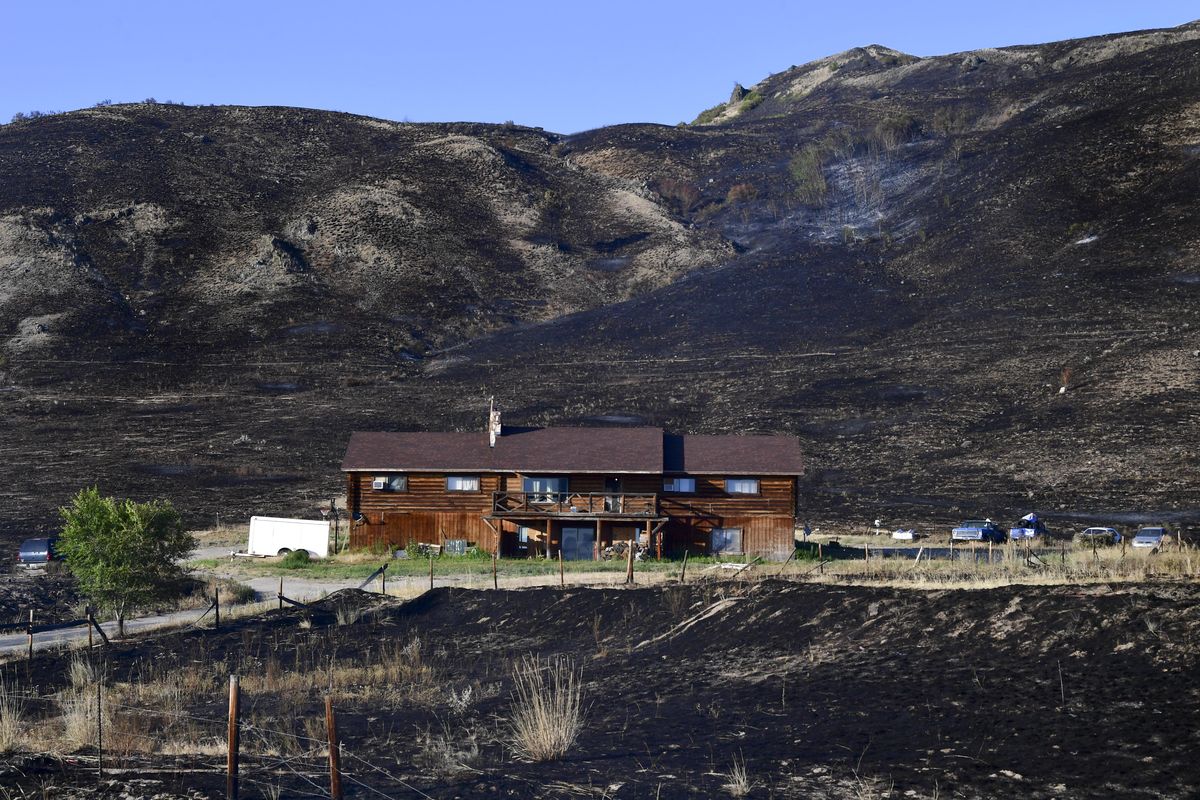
283, 551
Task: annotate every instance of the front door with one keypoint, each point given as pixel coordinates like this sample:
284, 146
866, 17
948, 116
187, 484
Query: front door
578, 543
613, 488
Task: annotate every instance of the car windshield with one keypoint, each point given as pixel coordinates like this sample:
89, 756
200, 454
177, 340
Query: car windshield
1151, 532
35, 544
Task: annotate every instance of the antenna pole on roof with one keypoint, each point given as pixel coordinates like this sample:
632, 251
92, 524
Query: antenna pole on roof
493, 422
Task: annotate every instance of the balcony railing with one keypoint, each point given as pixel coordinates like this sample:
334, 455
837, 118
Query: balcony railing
582, 503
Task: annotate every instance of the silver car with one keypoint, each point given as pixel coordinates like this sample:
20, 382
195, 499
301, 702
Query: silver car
1151, 536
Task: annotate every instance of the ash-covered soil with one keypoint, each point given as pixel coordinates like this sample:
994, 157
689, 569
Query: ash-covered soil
838, 692
903, 261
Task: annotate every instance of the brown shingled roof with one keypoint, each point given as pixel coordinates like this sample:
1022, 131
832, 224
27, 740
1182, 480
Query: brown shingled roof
517, 449
645, 450
733, 455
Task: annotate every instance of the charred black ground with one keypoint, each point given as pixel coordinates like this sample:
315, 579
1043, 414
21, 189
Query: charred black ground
1027, 691
900, 260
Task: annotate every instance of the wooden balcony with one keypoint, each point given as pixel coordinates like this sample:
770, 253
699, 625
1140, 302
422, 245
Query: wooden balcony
575, 504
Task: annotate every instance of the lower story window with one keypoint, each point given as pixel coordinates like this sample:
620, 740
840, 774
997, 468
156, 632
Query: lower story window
741, 486
727, 541
462, 483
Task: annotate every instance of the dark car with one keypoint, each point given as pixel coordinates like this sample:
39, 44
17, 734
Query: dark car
978, 530
36, 552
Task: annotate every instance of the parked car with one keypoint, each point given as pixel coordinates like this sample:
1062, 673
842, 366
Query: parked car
1151, 536
975, 530
37, 552
1100, 535
1028, 527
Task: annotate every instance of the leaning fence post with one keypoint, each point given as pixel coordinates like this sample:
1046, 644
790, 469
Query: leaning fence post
335, 773
217, 608
231, 760
281, 594
31, 634
383, 579
683, 572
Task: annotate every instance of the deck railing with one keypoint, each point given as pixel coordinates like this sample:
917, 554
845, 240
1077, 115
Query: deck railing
582, 503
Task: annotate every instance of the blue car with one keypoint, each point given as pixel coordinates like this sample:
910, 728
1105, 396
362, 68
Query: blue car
1151, 536
976, 530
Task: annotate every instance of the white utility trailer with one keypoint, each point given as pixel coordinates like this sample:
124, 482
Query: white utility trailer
277, 536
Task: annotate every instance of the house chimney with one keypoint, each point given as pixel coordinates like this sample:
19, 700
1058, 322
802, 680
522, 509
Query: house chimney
493, 422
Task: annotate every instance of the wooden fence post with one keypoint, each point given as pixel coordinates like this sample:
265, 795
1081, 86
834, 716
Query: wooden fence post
562, 578
217, 608
91, 622
629, 563
335, 773
31, 634
683, 572
281, 593
231, 760
820, 559
431, 572
495, 579
383, 580
99, 734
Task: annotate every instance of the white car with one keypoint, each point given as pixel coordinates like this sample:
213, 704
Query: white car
1100, 535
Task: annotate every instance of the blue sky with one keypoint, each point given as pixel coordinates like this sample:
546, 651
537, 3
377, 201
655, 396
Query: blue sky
566, 66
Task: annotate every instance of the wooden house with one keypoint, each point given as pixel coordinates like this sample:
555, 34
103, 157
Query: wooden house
539, 491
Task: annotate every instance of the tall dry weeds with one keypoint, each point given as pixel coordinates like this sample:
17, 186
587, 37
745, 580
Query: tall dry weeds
12, 720
548, 707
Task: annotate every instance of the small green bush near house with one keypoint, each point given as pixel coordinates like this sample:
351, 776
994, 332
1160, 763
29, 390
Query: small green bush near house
297, 559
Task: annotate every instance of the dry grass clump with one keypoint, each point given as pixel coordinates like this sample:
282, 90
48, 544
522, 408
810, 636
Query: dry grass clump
12, 715
548, 710
738, 781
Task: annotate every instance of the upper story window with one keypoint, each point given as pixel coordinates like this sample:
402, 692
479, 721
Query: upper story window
544, 486
462, 483
680, 485
390, 483
741, 485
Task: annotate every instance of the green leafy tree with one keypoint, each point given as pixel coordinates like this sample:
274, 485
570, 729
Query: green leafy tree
123, 554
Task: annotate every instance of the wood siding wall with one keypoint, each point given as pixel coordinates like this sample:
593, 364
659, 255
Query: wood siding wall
776, 497
770, 537
427, 513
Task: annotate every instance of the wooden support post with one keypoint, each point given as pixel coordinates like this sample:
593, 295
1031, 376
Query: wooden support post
31, 634
99, 733
683, 572
562, 578
335, 772
629, 562
217, 608
495, 578
231, 759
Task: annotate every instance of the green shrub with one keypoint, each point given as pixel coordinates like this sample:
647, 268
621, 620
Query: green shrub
807, 169
751, 101
708, 115
297, 559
